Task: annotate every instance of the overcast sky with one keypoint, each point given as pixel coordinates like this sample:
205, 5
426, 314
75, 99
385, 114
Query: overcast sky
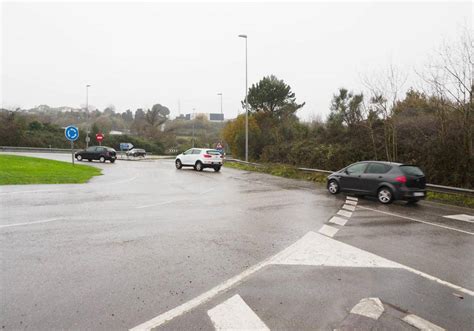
138, 54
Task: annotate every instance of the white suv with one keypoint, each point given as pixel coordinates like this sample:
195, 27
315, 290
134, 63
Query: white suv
200, 158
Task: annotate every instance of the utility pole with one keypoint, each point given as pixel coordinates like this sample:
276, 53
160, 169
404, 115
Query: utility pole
87, 112
222, 114
193, 119
246, 102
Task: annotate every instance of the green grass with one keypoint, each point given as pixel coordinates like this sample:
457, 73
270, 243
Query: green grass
31, 170
291, 172
280, 170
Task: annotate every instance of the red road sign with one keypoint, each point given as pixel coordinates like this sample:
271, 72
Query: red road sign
99, 137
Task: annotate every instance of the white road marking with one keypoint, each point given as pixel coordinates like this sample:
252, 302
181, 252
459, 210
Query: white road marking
417, 220
338, 220
344, 213
159, 203
30, 223
349, 207
352, 198
421, 323
369, 307
35, 191
328, 230
311, 249
351, 202
461, 217
235, 314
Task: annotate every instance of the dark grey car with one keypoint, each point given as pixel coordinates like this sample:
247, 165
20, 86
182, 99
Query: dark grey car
387, 181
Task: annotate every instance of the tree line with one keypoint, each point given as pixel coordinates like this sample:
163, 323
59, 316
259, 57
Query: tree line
431, 127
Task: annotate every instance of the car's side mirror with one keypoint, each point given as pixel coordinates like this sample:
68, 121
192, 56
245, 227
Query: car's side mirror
346, 172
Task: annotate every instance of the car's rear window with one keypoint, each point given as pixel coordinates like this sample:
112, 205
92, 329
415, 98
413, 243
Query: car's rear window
411, 170
213, 152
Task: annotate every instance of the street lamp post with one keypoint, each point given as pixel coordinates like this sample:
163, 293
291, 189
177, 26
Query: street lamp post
246, 102
222, 114
87, 112
194, 119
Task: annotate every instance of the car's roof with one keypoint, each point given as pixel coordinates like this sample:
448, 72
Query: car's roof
383, 162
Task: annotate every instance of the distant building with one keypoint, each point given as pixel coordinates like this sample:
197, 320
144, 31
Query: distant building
213, 117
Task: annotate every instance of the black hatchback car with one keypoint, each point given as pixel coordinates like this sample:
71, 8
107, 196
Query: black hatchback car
387, 181
101, 153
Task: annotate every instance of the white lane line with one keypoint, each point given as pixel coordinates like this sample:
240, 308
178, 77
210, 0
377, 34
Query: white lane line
349, 207
352, 198
206, 296
351, 202
35, 191
417, 220
159, 203
29, 223
235, 314
338, 220
327, 251
344, 213
461, 217
421, 323
369, 307
328, 230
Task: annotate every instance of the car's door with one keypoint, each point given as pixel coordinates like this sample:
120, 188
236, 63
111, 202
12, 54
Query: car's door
373, 176
185, 158
89, 153
99, 151
195, 156
351, 177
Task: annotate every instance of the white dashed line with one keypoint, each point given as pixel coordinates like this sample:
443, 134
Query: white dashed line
328, 230
338, 220
417, 220
352, 198
30, 223
369, 307
421, 323
344, 213
349, 207
351, 202
461, 217
235, 314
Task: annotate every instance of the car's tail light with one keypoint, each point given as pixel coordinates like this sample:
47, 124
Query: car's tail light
207, 156
401, 179
222, 156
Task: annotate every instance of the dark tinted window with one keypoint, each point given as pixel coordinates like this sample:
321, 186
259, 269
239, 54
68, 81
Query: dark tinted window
377, 168
411, 170
356, 169
196, 151
189, 151
90, 149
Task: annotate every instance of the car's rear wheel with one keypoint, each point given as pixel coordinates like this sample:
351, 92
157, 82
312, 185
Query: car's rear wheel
198, 166
102, 159
79, 157
217, 169
385, 195
333, 186
178, 164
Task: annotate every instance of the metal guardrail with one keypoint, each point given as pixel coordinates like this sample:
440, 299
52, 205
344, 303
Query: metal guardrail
34, 149
430, 187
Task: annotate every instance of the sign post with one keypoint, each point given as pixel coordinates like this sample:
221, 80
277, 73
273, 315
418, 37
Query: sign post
72, 134
99, 137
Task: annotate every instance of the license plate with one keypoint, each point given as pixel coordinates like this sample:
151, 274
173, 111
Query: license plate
418, 194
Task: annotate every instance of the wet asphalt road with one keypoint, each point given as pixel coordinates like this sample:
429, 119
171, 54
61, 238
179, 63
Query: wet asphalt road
145, 238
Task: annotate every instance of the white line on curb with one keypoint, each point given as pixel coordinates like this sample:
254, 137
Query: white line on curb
344, 213
352, 198
417, 220
328, 230
351, 202
338, 220
349, 207
235, 314
461, 217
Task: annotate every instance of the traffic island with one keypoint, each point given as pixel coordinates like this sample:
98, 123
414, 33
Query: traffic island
16, 170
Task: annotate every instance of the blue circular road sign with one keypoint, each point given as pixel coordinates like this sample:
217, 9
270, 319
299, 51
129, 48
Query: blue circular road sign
71, 133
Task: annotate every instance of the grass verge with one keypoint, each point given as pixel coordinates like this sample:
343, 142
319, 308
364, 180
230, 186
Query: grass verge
291, 172
31, 170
